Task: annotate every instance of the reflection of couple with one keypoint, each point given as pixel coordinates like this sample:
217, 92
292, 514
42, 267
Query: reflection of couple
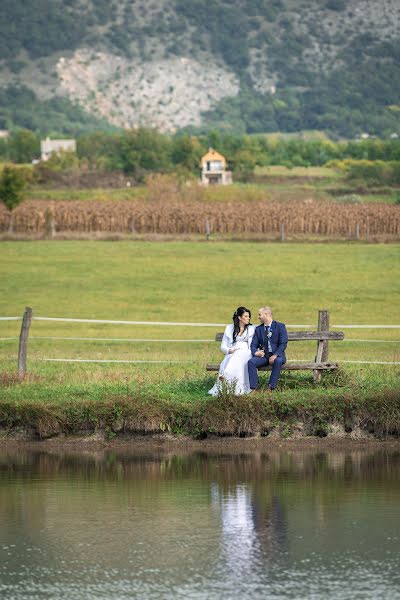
254, 525
247, 348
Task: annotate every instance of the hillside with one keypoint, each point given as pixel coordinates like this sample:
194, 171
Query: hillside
242, 66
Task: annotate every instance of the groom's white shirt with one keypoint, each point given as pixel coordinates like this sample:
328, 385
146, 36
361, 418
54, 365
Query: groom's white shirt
227, 340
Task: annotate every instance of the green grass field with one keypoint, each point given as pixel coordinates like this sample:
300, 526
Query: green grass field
197, 283
194, 283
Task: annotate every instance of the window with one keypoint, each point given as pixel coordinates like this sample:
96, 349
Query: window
214, 165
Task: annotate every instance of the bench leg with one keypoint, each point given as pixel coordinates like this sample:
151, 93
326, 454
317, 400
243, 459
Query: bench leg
317, 375
318, 359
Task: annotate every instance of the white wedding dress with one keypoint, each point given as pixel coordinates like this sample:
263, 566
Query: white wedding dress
233, 369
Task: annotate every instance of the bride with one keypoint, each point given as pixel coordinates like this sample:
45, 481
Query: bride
236, 346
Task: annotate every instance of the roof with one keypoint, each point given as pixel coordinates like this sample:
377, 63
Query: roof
213, 155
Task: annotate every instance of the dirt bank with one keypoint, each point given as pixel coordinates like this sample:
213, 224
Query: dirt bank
166, 442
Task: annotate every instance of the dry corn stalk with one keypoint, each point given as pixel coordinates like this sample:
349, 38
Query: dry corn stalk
170, 216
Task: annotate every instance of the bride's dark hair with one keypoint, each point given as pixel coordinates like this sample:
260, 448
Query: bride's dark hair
236, 325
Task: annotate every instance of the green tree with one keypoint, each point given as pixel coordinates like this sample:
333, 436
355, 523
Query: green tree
12, 184
139, 151
24, 146
186, 153
4, 149
244, 163
95, 148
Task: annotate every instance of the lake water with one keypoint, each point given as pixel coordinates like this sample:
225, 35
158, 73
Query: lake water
118, 524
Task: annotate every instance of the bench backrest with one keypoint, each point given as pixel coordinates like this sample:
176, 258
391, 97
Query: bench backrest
302, 336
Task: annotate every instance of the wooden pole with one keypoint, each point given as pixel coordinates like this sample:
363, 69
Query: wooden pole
50, 224
23, 342
282, 232
323, 325
322, 347
208, 229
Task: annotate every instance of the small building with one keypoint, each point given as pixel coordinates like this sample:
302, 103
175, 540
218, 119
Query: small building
4, 134
213, 169
49, 147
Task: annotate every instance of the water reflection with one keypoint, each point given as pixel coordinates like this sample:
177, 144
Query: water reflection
264, 524
252, 529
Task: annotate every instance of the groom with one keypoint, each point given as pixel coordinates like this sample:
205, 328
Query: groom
267, 347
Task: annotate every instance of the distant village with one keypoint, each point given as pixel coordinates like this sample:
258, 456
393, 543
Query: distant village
213, 165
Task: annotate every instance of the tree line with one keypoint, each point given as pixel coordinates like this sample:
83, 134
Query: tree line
140, 151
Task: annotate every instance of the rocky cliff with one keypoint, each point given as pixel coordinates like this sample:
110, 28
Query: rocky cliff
253, 65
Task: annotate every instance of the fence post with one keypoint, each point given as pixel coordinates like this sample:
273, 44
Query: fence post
282, 232
208, 229
23, 342
131, 225
322, 347
50, 224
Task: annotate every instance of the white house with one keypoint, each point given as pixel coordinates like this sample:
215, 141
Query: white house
49, 147
213, 169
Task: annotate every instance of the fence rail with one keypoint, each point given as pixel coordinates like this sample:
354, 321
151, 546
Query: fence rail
179, 324
182, 341
28, 317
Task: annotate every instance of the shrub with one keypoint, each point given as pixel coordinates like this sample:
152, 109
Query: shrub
12, 184
370, 172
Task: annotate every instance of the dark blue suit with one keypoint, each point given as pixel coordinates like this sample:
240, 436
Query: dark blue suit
278, 342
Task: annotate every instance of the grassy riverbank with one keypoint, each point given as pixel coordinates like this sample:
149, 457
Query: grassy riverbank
353, 403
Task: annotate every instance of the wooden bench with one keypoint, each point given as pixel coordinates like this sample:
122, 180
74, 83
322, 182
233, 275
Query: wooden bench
321, 363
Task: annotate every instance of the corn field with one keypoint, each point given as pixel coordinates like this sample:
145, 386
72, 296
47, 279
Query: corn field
40, 217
